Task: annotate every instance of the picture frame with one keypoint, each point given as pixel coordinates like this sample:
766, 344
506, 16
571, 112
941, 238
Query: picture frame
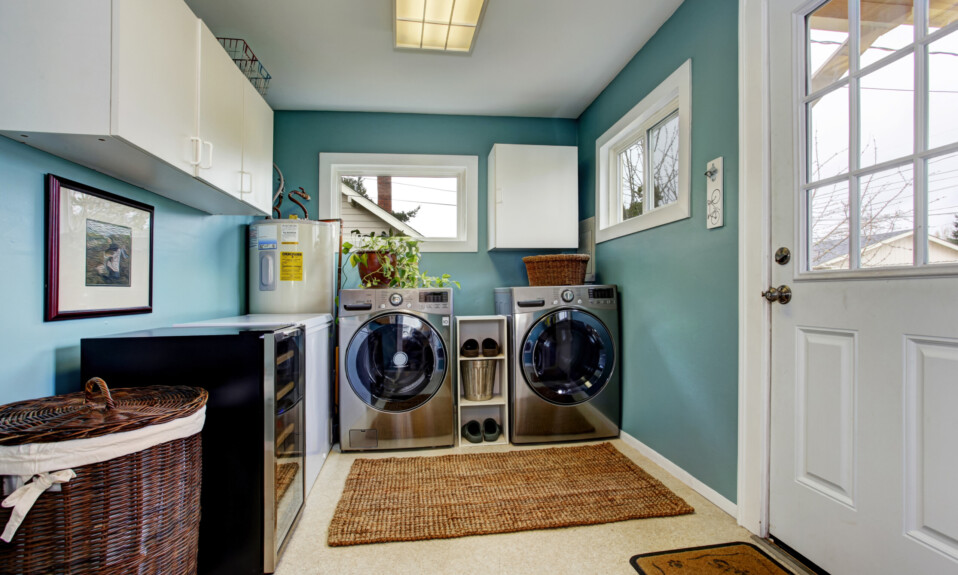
99, 253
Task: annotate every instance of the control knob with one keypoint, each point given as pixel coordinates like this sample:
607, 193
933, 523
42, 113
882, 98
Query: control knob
567, 296
395, 299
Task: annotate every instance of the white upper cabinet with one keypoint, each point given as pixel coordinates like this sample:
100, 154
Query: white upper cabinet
257, 178
136, 89
533, 195
154, 78
221, 116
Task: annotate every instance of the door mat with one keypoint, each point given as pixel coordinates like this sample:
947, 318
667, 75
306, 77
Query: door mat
722, 558
414, 498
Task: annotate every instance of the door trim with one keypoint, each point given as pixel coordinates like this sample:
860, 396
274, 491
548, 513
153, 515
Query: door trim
754, 268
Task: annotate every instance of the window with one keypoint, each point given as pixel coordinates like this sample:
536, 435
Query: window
879, 117
642, 180
432, 198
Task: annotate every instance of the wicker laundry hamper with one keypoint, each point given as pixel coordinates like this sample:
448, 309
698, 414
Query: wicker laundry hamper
556, 270
125, 473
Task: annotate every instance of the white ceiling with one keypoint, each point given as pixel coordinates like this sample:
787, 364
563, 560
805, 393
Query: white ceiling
542, 58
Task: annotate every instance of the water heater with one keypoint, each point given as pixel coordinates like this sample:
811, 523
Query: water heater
292, 266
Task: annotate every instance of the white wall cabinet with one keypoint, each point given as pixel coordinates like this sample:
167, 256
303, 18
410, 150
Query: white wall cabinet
114, 85
533, 194
256, 184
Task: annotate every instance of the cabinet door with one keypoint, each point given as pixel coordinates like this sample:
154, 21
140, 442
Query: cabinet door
257, 150
535, 180
155, 56
221, 116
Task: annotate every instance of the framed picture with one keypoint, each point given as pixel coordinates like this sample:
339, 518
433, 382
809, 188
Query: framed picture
99, 253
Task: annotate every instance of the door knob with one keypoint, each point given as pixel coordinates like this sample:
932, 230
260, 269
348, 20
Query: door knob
782, 294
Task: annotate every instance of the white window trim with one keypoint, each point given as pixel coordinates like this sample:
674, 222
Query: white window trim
658, 104
332, 166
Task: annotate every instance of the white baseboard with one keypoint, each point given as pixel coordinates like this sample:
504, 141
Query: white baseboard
680, 474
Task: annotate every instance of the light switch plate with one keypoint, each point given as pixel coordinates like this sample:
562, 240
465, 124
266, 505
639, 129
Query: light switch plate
715, 194
587, 246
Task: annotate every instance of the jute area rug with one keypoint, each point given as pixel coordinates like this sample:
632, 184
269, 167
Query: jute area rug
723, 558
414, 498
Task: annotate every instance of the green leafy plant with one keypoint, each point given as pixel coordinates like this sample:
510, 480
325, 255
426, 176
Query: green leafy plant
390, 260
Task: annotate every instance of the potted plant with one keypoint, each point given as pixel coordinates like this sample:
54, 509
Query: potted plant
390, 260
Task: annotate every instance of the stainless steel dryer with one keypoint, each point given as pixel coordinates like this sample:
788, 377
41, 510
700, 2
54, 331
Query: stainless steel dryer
564, 383
395, 371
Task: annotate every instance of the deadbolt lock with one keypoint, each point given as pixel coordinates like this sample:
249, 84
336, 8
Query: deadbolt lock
782, 256
782, 294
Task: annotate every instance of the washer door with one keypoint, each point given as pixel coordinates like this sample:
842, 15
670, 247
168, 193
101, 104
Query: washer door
568, 357
396, 362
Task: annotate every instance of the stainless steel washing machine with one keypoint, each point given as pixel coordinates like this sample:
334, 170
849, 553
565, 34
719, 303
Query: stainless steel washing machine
395, 370
564, 384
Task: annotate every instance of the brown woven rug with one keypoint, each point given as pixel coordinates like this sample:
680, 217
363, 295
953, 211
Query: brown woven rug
723, 558
413, 498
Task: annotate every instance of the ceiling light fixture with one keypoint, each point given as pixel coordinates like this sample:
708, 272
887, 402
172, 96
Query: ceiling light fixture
439, 25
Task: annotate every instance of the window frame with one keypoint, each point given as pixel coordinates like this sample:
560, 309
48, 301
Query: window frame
803, 95
333, 166
671, 96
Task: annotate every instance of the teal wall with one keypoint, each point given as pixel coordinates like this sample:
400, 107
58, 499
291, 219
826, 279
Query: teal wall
679, 282
301, 136
199, 272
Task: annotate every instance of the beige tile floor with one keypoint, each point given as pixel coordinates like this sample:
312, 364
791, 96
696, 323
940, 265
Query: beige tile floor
604, 549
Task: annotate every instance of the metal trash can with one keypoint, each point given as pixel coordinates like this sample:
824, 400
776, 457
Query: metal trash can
478, 378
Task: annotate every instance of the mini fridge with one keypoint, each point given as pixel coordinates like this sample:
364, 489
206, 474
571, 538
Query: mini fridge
253, 440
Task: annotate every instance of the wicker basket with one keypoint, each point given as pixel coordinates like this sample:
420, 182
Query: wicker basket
557, 270
135, 513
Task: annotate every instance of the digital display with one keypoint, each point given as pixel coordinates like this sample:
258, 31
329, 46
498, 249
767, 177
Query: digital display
433, 297
601, 293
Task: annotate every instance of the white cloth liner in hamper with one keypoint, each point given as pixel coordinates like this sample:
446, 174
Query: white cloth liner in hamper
37, 467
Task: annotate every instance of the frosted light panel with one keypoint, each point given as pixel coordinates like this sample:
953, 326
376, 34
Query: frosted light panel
410, 10
466, 12
434, 36
438, 11
408, 34
460, 38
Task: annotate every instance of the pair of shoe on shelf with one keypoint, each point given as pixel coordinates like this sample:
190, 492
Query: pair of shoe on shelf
490, 348
488, 431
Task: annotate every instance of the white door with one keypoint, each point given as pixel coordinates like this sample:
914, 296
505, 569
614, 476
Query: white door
221, 116
155, 55
257, 182
864, 155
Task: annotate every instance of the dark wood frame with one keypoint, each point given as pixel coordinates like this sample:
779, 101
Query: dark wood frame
52, 286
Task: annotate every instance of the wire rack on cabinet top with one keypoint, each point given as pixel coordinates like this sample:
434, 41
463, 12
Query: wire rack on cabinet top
243, 55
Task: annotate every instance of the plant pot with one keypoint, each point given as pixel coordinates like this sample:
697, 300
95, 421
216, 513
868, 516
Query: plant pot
371, 270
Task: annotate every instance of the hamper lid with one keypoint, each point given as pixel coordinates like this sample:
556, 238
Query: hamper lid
96, 411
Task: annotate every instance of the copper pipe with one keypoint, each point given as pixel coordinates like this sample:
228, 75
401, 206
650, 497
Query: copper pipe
301, 193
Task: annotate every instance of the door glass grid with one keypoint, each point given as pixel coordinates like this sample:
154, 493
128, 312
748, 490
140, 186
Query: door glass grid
876, 184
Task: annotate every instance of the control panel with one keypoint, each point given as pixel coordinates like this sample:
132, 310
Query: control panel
368, 301
538, 297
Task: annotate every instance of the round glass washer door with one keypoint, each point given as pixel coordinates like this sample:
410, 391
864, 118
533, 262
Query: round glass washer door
568, 357
396, 362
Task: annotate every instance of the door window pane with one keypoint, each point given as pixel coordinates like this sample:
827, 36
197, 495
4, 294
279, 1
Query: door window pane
827, 45
631, 180
943, 91
943, 209
886, 111
885, 28
828, 225
942, 13
664, 143
887, 220
828, 137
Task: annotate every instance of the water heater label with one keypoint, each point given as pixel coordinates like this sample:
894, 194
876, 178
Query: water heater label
290, 234
291, 266
267, 237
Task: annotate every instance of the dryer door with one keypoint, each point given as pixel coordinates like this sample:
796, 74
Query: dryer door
396, 362
568, 356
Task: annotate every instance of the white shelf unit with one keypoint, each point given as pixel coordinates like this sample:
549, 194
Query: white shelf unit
480, 327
